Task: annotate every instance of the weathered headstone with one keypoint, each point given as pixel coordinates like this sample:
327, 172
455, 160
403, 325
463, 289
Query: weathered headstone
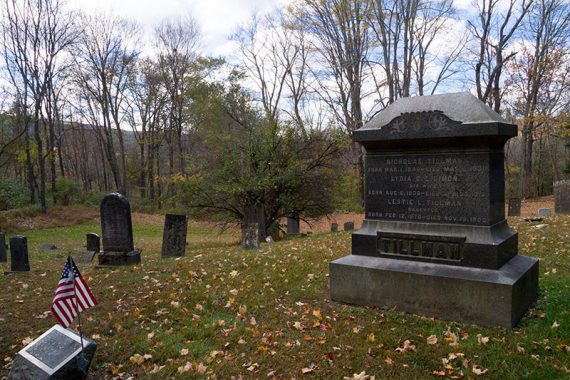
56, 354
93, 242
255, 214
562, 197
334, 227
19, 254
174, 235
348, 226
84, 258
435, 240
544, 211
3, 255
117, 228
250, 236
293, 224
514, 207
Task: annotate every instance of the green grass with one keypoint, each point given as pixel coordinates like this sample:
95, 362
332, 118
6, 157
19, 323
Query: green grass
222, 311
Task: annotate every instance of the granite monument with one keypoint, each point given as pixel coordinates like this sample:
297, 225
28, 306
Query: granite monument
250, 236
293, 224
174, 235
435, 240
19, 254
117, 228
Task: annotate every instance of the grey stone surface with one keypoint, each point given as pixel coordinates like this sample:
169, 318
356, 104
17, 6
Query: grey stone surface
3, 254
19, 254
348, 226
48, 247
544, 211
514, 207
435, 239
174, 235
293, 224
562, 197
250, 236
93, 242
482, 296
52, 350
84, 258
334, 227
117, 228
255, 213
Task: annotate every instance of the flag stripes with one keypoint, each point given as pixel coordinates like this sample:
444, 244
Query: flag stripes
71, 296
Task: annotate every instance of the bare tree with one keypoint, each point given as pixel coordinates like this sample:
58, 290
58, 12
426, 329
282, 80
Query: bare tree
35, 32
105, 57
493, 30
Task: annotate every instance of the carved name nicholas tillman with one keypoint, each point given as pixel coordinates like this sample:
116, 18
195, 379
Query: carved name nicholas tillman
425, 246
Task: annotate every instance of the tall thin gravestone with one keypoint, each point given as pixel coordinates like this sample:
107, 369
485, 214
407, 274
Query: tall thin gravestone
514, 207
116, 225
174, 235
250, 236
293, 224
255, 213
3, 255
435, 240
562, 197
19, 254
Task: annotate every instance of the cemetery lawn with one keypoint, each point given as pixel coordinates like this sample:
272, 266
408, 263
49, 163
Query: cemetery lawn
224, 312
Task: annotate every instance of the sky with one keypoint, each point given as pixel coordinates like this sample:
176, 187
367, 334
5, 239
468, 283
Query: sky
217, 18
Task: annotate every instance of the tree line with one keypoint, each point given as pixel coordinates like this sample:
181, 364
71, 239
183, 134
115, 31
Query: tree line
86, 97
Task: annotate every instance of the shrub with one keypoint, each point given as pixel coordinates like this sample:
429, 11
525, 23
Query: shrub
67, 191
13, 193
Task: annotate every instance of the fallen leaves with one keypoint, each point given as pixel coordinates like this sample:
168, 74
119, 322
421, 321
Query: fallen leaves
478, 371
431, 340
408, 346
482, 339
140, 359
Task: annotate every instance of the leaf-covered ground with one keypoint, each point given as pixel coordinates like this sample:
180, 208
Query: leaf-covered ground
223, 312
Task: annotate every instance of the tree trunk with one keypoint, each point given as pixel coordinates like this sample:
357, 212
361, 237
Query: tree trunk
40, 156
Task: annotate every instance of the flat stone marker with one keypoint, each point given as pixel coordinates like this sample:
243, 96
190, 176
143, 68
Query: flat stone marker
250, 236
348, 226
514, 207
93, 242
544, 211
117, 228
334, 227
54, 355
48, 247
3, 254
562, 197
174, 235
84, 258
435, 240
19, 254
293, 224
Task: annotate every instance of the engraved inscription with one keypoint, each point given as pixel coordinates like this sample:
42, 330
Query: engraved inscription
421, 187
448, 248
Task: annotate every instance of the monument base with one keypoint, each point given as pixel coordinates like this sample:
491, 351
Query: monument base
111, 259
481, 296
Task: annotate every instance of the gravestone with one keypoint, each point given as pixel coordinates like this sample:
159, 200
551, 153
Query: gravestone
174, 235
562, 197
348, 226
293, 225
255, 214
19, 254
3, 255
56, 354
334, 227
544, 211
250, 236
84, 258
93, 242
435, 240
514, 207
117, 228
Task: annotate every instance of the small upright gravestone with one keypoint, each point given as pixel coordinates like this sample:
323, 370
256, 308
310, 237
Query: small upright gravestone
334, 227
435, 240
19, 254
514, 207
174, 235
293, 225
56, 354
562, 197
250, 236
348, 226
3, 255
117, 228
255, 213
93, 242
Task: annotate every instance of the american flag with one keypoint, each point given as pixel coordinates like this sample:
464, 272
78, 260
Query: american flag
72, 295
